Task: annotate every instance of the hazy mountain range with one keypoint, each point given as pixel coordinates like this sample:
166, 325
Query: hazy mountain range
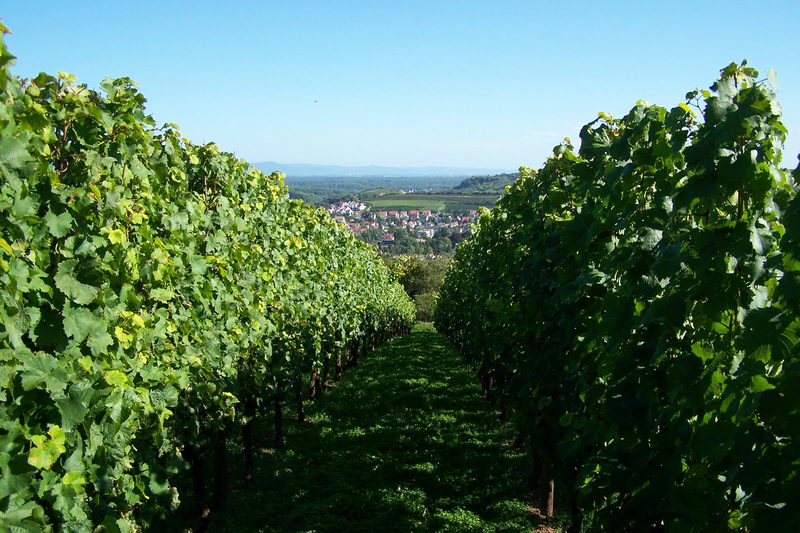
307, 170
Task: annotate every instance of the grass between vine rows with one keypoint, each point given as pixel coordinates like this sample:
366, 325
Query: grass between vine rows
402, 443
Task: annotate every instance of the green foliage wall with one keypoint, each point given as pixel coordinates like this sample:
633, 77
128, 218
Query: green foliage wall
635, 305
148, 286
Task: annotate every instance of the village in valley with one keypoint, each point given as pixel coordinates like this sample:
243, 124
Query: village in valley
434, 232
416, 216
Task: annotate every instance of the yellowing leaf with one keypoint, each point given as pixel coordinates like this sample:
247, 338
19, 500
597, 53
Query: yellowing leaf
123, 336
116, 236
133, 317
73, 478
5, 246
46, 451
40, 459
86, 363
115, 378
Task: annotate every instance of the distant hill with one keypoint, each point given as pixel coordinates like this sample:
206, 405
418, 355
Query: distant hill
306, 170
487, 184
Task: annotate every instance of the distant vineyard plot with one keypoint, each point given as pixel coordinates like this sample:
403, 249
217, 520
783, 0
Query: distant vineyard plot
401, 202
434, 202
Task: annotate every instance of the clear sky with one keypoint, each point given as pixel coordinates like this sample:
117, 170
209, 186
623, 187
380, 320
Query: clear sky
407, 83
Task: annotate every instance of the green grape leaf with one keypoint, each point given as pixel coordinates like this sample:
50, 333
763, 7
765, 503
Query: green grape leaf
162, 295
760, 384
79, 322
13, 152
23, 206
58, 225
66, 281
41, 368
13, 479
75, 406
73, 478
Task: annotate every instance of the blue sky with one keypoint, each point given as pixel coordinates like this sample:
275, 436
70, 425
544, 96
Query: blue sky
414, 83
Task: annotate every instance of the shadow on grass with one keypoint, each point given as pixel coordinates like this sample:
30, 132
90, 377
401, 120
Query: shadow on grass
402, 443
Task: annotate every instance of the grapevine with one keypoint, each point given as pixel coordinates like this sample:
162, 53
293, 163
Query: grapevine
155, 297
633, 306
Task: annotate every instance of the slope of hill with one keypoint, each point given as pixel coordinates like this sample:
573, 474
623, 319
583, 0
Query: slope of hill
487, 184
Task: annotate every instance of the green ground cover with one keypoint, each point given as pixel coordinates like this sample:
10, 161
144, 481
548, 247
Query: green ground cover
402, 443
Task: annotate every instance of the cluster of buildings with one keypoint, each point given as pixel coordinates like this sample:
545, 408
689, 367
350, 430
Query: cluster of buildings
346, 208
423, 223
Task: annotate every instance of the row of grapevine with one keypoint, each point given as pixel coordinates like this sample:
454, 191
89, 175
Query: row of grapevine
634, 306
155, 297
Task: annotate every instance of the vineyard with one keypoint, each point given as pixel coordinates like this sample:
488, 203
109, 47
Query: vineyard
157, 298
631, 310
633, 306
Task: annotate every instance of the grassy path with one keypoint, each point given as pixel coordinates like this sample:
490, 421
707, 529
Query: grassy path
402, 443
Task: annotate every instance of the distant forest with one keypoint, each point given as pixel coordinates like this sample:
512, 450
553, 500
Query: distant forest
487, 184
